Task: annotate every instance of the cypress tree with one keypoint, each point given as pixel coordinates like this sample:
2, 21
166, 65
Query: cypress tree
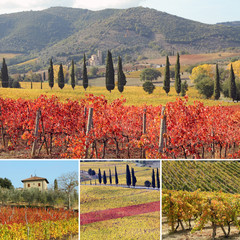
134, 180
177, 76
116, 176
72, 75
99, 176
217, 84
55, 185
104, 177
109, 72
232, 85
110, 177
158, 179
84, 72
4, 74
121, 76
61, 77
41, 79
128, 175
153, 179
166, 82
51, 75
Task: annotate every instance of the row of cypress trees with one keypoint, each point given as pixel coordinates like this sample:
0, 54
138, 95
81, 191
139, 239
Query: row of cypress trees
110, 75
166, 81
130, 177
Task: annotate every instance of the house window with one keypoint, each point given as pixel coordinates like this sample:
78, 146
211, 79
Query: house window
28, 184
39, 184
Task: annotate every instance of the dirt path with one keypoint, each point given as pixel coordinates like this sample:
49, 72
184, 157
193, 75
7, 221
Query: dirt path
114, 213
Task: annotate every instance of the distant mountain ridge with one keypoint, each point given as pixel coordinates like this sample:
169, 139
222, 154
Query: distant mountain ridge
66, 33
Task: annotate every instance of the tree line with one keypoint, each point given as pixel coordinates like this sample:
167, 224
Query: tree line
109, 75
131, 179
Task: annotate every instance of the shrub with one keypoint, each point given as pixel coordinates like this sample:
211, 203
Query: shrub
205, 86
148, 87
147, 184
16, 84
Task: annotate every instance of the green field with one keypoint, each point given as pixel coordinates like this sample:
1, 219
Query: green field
206, 176
134, 95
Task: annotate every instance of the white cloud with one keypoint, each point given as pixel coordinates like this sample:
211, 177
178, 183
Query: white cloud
8, 6
102, 4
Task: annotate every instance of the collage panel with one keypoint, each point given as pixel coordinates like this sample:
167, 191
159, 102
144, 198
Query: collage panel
39, 200
200, 200
119, 199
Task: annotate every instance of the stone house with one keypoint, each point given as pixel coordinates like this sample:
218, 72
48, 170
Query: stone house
35, 182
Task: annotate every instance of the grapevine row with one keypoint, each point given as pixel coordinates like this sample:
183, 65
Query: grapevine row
193, 131
204, 208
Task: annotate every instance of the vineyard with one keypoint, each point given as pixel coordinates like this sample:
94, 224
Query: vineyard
198, 210
37, 223
203, 175
94, 128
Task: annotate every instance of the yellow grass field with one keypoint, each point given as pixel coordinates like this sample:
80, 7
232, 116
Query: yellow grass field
31, 61
134, 95
142, 227
9, 55
94, 198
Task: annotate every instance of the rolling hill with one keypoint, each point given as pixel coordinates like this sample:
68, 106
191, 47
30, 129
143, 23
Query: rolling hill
67, 33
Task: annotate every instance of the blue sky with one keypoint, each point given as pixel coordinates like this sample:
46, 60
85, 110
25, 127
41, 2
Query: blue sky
21, 169
207, 11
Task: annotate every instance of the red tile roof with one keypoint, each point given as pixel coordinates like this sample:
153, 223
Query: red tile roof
34, 179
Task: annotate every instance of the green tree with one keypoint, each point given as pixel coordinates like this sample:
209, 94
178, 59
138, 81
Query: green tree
84, 73
184, 88
150, 74
99, 176
166, 81
104, 178
128, 175
4, 74
232, 85
61, 82
16, 84
55, 185
134, 179
148, 87
177, 76
217, 84
116, 176
110, 84
51, 75
110, 177
147, 183
72, 75
121, 76
158, 179
205, 86
5, 183
153, 179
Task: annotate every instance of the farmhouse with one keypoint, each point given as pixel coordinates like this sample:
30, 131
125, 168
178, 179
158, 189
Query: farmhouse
35, 182
96, 60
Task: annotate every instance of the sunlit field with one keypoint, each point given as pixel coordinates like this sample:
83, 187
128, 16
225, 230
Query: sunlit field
134, 95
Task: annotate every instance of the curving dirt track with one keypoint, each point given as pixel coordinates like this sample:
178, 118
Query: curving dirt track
114, 213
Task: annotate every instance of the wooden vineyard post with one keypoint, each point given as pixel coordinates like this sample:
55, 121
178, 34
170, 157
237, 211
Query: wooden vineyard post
89, 126
144, 132
2, 130
171, 213
162, 131
38, 116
